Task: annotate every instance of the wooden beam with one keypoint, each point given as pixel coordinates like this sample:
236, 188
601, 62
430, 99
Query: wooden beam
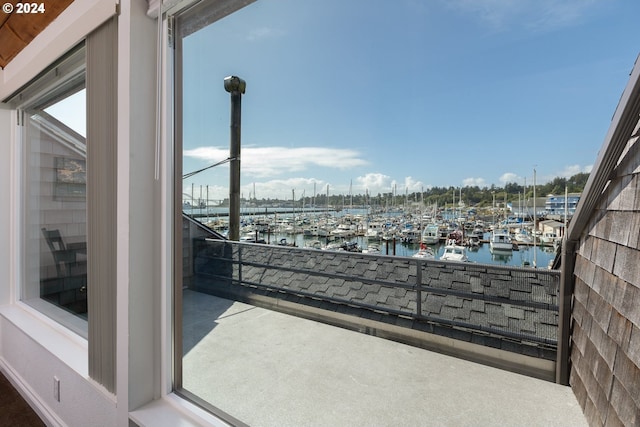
17, 30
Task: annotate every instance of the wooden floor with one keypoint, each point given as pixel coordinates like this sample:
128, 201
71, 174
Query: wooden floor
14, 411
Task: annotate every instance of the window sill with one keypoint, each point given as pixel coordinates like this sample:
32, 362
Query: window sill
61, 317
173, 411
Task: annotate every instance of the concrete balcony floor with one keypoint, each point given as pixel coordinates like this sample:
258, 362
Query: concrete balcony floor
270, 369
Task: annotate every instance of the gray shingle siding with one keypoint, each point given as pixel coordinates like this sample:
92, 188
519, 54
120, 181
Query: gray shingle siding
605, 355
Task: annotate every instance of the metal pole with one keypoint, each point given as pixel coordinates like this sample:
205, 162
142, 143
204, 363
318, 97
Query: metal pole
563, 354
418, 289
236, 87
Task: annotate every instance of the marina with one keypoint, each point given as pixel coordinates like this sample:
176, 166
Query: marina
469, 239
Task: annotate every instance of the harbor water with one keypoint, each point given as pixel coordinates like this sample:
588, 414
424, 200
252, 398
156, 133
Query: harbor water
527, 256
524, 256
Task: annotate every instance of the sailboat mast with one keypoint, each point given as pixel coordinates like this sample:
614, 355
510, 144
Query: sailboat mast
453, 207
327, 198
535, 226
566, 206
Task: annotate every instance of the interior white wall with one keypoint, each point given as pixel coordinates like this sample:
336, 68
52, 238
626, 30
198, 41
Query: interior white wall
32, 368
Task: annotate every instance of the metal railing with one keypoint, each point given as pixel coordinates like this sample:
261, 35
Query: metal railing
517, 304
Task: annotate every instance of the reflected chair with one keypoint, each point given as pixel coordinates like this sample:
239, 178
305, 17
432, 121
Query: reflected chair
65, 257
69, 288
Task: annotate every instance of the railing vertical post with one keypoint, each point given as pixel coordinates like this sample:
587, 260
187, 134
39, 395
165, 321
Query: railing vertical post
418, 289
239, 263
564, 311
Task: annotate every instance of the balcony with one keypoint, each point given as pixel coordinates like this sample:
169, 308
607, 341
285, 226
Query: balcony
286, 336
271, 369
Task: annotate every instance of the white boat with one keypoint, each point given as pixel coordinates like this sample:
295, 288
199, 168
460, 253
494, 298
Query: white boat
523, 236
343, 246
431, 234
549, 238
343, 230
374, 231
425, 252
372, 248
500, 240
473, 241
410, 235
314, 244
389, 234
251, 238
478, 231
454, 253
316, 230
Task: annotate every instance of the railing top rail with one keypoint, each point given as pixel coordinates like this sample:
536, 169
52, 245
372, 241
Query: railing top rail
419, 261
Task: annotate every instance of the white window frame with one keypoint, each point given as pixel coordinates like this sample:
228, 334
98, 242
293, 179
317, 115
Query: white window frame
98, 352
203, 13
45, 86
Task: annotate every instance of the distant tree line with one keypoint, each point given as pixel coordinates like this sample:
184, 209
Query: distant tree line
471, 195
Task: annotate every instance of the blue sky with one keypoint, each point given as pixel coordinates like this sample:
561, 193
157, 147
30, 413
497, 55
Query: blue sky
406, 94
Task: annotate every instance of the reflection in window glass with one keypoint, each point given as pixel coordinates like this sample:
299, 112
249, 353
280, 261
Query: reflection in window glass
70, 111
56, 209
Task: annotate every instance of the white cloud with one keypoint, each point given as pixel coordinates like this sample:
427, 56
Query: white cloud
493, 13
567, 172
571, 170
473, 182
551, 14
272, 189
212, 193
374, 183
510, 177
411, 185
284, 188
378, 183
264, 162
536, 15
264, 33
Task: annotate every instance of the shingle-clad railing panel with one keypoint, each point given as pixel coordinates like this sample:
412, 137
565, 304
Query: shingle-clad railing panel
516, 303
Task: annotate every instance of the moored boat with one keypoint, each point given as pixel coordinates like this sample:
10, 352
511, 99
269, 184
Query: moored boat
431, 234
549, 238
478, 231
374, 231
523, 236
454, 253
410, 235
425, 252
500, 240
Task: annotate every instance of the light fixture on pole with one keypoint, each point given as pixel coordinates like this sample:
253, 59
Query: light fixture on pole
236, 87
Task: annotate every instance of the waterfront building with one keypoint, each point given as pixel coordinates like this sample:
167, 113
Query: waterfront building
556, 205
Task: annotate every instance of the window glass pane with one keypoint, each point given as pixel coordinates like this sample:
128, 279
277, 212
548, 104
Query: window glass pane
55, 207
332, 89
69, 111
